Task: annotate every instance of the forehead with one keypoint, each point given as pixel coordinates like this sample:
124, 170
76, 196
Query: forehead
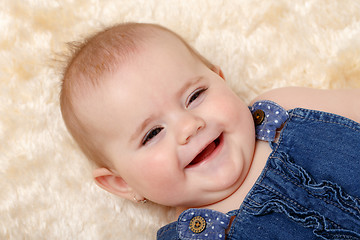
160, 62
162, 51
157, 69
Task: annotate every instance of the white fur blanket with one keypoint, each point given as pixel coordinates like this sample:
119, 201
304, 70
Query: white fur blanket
46, 188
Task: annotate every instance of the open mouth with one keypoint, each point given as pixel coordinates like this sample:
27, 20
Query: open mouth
206, 152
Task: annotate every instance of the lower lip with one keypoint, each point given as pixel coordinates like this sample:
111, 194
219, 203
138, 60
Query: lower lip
212, 155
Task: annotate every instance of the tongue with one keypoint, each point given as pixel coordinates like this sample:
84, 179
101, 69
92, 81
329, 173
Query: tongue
204, 154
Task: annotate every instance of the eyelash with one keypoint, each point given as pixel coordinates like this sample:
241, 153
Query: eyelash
152, 133
197, 93
156, 130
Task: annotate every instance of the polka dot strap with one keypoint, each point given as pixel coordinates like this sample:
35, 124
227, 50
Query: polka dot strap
202, 224
268, 117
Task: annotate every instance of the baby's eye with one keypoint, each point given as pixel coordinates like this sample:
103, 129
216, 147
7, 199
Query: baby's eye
152, 133
193, 96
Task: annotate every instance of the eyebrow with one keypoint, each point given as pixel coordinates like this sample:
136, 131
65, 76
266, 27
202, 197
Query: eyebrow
189, 83
182, 90
141, 128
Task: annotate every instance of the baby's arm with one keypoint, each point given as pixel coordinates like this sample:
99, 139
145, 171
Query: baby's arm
345, 102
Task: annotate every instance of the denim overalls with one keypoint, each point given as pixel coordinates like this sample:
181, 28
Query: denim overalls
309, 188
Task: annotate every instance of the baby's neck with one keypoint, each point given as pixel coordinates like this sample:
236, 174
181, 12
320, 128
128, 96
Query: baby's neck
262, 152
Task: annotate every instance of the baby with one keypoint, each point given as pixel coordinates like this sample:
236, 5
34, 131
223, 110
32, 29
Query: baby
161, 124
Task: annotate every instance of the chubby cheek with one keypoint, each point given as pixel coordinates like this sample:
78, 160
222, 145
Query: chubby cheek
230, 108
236, 119
158, 177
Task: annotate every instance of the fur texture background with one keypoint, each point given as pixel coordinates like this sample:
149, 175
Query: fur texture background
46, 188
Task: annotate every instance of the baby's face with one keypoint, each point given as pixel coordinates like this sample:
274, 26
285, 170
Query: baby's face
171, 127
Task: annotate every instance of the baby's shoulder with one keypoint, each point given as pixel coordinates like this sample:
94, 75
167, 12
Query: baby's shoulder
345, 102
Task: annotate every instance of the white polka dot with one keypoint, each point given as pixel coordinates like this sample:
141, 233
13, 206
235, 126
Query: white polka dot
217, 219
206, 215
276, 121
267, 115
222, 222
269, 107
206, 234
209, 220
268, 131
212, 227
263, 138
184, 219
220, 236
277, 112
260, 104
192, 213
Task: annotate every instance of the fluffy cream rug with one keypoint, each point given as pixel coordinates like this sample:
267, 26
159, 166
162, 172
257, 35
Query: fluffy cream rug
46, 189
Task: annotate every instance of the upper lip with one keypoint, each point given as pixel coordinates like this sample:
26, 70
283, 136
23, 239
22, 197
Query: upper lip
201, 149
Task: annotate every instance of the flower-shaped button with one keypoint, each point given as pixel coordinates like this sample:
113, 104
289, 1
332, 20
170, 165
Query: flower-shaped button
202, 224
197, 224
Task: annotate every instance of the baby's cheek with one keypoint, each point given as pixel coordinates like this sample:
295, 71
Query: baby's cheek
230, 107
158, 170
164, 189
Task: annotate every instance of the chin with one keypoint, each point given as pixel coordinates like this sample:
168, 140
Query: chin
228, 180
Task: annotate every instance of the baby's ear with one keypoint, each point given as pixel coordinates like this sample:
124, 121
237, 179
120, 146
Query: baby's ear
218, 71
113, 183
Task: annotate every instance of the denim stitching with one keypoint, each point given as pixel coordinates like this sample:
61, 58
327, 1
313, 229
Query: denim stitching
291, 115
284, 197
253, 201
303, 209
329, 114
318, 197
167, 230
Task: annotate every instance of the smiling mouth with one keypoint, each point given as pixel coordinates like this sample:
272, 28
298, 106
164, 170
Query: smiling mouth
206, 152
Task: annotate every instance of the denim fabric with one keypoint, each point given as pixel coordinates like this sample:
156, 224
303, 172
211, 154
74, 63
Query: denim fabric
309, 188
275, 116
216, 223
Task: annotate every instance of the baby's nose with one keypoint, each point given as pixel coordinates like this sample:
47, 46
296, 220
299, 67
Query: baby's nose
189, 126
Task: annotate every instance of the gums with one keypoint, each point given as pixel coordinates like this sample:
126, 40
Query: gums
206, 152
